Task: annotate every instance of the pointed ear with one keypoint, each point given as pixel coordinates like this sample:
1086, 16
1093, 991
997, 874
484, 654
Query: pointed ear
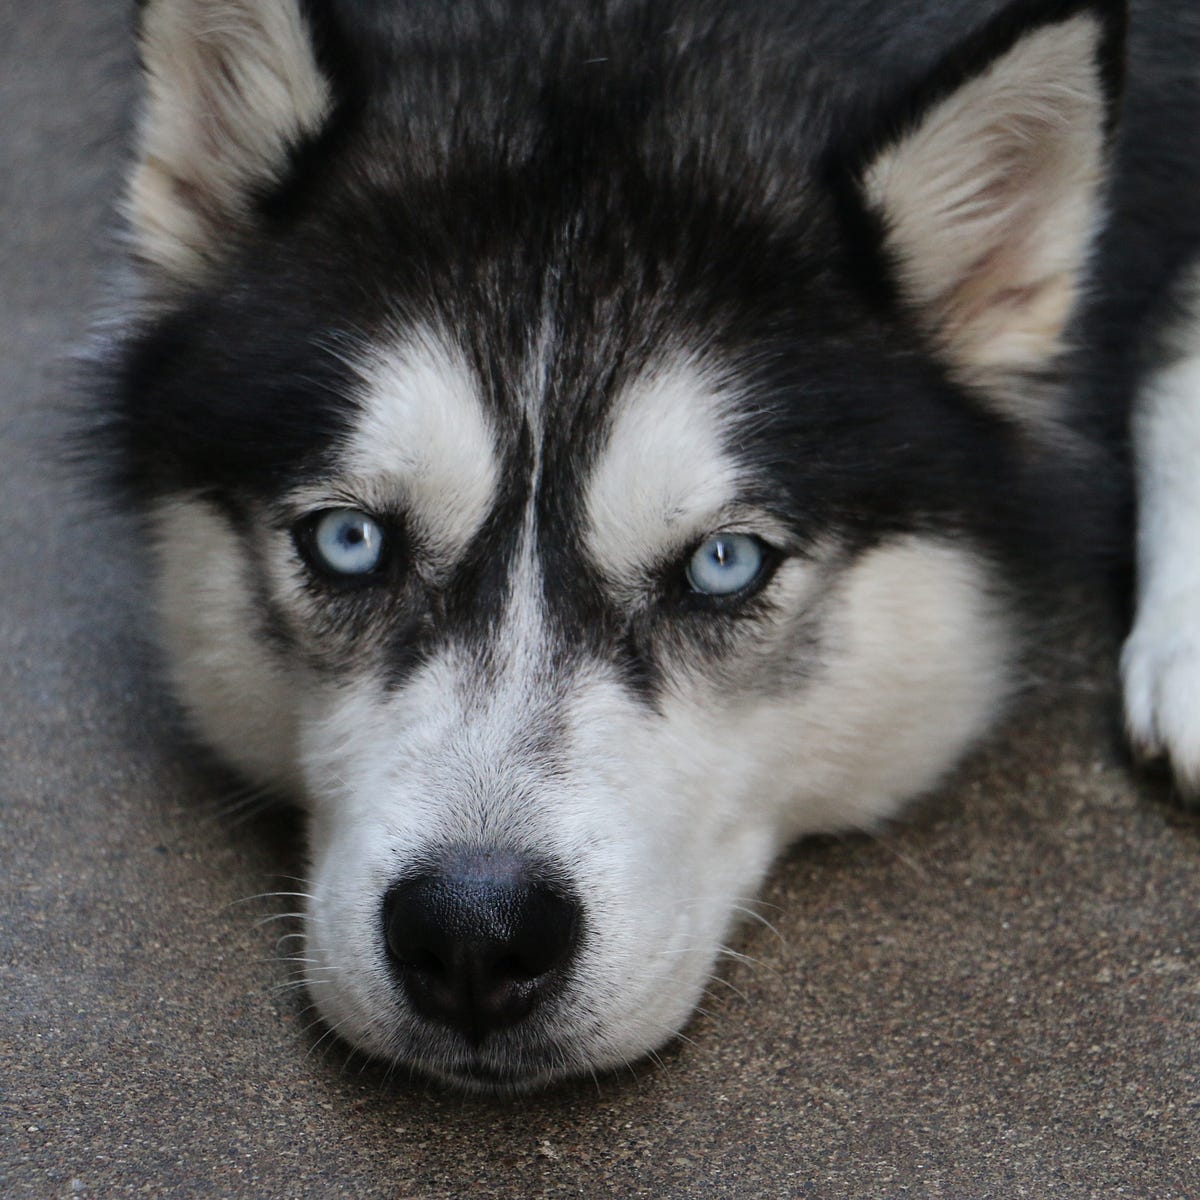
990, 190
231, 88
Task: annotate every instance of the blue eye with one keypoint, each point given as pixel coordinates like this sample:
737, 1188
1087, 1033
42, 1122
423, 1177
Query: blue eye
347, 542
726, 564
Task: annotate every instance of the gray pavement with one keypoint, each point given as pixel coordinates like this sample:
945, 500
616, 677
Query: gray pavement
999, 999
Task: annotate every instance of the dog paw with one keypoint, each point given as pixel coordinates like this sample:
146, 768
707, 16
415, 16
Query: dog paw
1160, 670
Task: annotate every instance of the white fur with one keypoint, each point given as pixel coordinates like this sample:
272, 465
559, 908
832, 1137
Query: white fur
239, 694
665, 472
425, 445
1161, 661
916, 663
664, 821
856, 687
991, 204
230, 86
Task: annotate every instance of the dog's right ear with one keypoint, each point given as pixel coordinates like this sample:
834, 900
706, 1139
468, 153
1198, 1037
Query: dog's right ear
232, 88
989, 188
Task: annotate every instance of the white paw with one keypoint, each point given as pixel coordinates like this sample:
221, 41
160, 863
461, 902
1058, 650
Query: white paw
1160, 669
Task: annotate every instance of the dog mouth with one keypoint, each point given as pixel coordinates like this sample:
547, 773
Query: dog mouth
488, 1077
506, 1066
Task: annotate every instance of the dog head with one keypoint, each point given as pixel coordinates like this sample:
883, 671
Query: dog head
576, 472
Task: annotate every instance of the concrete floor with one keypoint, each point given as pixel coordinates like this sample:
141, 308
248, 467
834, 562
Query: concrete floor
1001, 999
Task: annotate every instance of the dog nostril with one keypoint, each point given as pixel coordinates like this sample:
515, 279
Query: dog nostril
514, 968
480, 945
425, 961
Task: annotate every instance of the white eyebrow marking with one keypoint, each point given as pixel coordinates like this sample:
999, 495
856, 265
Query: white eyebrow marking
425, 440
665, 472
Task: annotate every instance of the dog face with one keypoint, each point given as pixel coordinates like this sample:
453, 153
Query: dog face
571, 506
559, 701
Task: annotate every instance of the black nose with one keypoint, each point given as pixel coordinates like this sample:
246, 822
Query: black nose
478, 945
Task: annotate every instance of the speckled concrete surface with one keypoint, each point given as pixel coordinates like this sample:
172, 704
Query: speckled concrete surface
1001, 999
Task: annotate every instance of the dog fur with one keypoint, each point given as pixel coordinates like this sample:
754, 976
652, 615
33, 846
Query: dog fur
561, 297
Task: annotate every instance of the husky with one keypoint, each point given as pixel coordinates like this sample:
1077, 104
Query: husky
587, 446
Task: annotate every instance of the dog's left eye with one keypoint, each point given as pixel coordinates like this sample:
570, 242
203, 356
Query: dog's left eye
344, 542
725, 564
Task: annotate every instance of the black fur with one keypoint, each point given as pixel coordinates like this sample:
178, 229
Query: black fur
636, 169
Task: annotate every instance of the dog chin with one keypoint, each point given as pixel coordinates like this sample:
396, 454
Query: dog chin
513, 1062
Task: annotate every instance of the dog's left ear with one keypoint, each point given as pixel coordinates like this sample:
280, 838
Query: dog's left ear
989, 188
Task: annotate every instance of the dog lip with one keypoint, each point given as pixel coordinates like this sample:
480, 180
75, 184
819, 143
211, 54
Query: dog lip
526, 1069
486, 1077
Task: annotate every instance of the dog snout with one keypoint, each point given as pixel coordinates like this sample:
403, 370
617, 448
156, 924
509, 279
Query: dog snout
479, 944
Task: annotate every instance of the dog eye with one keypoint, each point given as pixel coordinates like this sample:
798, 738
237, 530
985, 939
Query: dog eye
726, 564
345, 541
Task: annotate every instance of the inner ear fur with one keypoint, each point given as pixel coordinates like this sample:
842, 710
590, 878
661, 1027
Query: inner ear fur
990, 187
231, 88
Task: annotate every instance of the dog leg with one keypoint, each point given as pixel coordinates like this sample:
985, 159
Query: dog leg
1160, 665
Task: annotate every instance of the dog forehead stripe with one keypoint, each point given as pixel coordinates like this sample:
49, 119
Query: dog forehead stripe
665, 470
425, 437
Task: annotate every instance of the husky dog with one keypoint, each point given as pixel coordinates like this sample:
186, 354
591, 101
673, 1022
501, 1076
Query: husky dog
589, 445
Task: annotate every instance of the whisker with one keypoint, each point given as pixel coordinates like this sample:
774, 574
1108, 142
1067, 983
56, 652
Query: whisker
749, 960
917, 868
306, 983
331, 1032
737, 991
296, 879
757, 916
283, 916
239, 805
273, 896
288, 985
658, 1061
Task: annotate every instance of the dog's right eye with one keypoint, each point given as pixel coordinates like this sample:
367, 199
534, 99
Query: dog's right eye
726, 564
342, 542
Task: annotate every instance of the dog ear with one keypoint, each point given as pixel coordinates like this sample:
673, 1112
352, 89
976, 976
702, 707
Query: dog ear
232, 87
990, 187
